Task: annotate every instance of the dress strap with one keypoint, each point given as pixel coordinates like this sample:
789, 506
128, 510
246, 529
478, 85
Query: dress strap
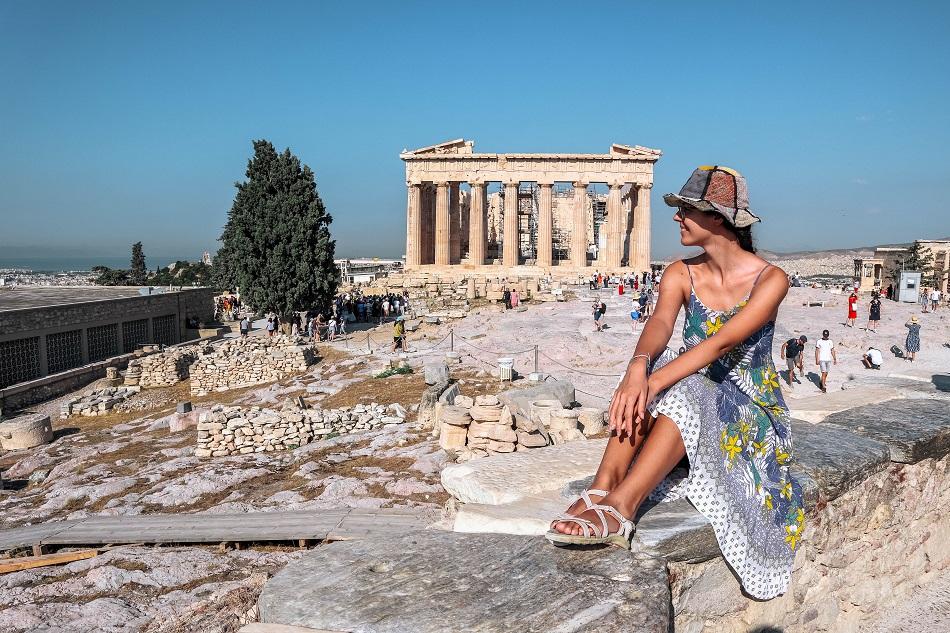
759, 276
690, 271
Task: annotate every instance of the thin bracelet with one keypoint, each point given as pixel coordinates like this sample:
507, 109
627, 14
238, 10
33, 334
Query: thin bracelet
646, 356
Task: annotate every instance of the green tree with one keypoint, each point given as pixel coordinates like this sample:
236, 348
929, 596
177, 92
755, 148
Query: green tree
276, 243
138, 274
111, 276
918, 259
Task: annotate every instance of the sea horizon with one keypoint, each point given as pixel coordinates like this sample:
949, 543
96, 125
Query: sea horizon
81, 263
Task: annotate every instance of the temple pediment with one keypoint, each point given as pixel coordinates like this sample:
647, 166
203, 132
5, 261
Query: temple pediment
637, 151
458, 146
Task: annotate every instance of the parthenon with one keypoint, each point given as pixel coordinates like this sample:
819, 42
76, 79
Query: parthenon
448, 226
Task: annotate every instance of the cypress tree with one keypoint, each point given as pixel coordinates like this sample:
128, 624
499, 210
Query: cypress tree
276, 245
138, 274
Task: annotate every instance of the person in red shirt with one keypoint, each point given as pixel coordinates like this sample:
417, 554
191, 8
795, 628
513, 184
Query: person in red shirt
852, 309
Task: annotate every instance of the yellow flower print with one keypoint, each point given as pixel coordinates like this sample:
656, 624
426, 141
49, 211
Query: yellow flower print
800, 518
730, 445
713, 325
792, 535
759, 447
768, 501
769, 378
744, 427
787, 490
782, 457
742, 304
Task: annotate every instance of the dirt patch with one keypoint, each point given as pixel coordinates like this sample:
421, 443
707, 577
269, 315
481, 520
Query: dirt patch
405, 389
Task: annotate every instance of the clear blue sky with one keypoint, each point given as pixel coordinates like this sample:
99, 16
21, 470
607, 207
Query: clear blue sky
125, 121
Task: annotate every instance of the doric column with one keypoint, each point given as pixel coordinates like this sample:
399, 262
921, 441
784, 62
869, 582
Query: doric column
442, 224
545, 224
614, 228
477, 233
579, 226
511, 238
640, 231
455, 218
414, 226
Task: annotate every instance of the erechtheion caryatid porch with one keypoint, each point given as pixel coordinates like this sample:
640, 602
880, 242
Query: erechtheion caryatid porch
448, 226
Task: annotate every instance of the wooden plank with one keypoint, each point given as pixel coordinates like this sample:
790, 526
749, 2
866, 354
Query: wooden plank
30, 562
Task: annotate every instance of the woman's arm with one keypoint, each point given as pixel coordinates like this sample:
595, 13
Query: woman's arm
761, 308
630, 399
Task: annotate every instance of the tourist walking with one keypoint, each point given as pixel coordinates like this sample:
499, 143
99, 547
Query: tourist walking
271, 326
934, 299
874, 314
912, 342
793, 352
890, 292
719, 404
620, 287
515, 298
399, 335
331, 328
825, 356
599, 308
852, 309
245, 326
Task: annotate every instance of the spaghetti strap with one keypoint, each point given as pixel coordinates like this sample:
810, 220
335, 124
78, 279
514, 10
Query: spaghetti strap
688, 270
757, 277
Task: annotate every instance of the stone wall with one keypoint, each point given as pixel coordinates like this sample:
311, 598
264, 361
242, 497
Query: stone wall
238, 430
867, 552
249, 361
165, 368
96, 401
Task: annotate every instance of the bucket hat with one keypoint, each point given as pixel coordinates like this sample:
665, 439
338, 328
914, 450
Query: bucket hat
716, 188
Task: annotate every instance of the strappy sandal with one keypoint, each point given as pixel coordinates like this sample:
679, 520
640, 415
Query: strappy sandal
588, 504
594, 534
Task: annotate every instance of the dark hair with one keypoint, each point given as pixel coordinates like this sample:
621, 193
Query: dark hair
743, 234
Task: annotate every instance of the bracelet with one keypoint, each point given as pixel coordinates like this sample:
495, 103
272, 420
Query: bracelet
646, 356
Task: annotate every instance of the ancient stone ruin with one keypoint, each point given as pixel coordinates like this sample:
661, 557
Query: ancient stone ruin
239, 430
96, 401
165, 368
26, 431
250, 361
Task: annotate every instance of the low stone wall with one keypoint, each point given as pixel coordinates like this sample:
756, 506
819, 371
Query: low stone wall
431, 292
239, 430
165, 368
96, 402
249, 361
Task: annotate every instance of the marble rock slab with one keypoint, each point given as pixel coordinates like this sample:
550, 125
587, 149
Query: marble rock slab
433, 581
913, 429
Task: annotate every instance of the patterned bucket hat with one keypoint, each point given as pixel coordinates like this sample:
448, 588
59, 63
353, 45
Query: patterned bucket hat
716, 188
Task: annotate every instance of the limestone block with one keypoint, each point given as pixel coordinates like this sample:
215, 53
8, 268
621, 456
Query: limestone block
418, 578
501, 433
26, 431
450, 394
540, 411
452, 437
466, 402
435, 373
481, 429
520, 399
487, 400
531, 440
563, 420
591, 420
456, 416
485, 413
495, 446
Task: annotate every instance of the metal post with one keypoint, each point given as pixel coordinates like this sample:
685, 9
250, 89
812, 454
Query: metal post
535, 359
369, 343
452, 339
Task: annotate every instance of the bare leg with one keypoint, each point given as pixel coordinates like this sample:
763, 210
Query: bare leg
662, 450
614, 465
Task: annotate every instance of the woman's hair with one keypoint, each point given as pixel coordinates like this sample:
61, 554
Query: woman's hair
743, 234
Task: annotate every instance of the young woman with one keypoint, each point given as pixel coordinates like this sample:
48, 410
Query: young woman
874, 316
852, 309
912, 342
718, 403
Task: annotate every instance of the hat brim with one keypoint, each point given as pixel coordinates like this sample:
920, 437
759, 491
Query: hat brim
738, 217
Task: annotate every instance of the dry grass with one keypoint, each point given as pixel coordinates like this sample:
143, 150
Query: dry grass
405, 389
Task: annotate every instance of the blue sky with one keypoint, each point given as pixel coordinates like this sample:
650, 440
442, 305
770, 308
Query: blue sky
125, 121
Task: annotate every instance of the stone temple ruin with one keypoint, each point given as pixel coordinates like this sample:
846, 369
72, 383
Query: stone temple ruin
543, 223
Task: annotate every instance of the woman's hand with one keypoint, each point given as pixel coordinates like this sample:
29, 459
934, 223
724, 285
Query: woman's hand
628, 405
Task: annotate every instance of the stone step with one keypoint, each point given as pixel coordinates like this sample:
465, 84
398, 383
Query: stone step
443, 581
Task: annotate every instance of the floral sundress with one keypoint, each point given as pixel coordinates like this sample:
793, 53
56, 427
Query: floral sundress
736, 429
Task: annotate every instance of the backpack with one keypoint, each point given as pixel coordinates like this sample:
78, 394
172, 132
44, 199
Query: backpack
603, 308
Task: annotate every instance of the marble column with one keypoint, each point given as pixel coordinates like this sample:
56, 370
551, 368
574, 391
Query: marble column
428, 224
442, 225
545, 225
455, 242
579, 226
465, 212
477, 230
614, 228
510, 238
414, 226
640, 231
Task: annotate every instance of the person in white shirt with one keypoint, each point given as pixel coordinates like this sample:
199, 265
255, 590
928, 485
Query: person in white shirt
934, 299
825, 355
873, 359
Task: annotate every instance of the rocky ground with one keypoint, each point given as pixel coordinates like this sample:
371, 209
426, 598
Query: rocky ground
129, 462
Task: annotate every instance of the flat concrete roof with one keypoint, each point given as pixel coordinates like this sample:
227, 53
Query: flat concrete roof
26, 297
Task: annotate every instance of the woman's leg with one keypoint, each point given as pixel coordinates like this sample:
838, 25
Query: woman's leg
614, 464
662, 450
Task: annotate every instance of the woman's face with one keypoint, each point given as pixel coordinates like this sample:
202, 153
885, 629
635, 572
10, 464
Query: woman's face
696, 226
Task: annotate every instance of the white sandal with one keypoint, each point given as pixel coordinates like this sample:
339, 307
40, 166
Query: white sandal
620, 538
588, 504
